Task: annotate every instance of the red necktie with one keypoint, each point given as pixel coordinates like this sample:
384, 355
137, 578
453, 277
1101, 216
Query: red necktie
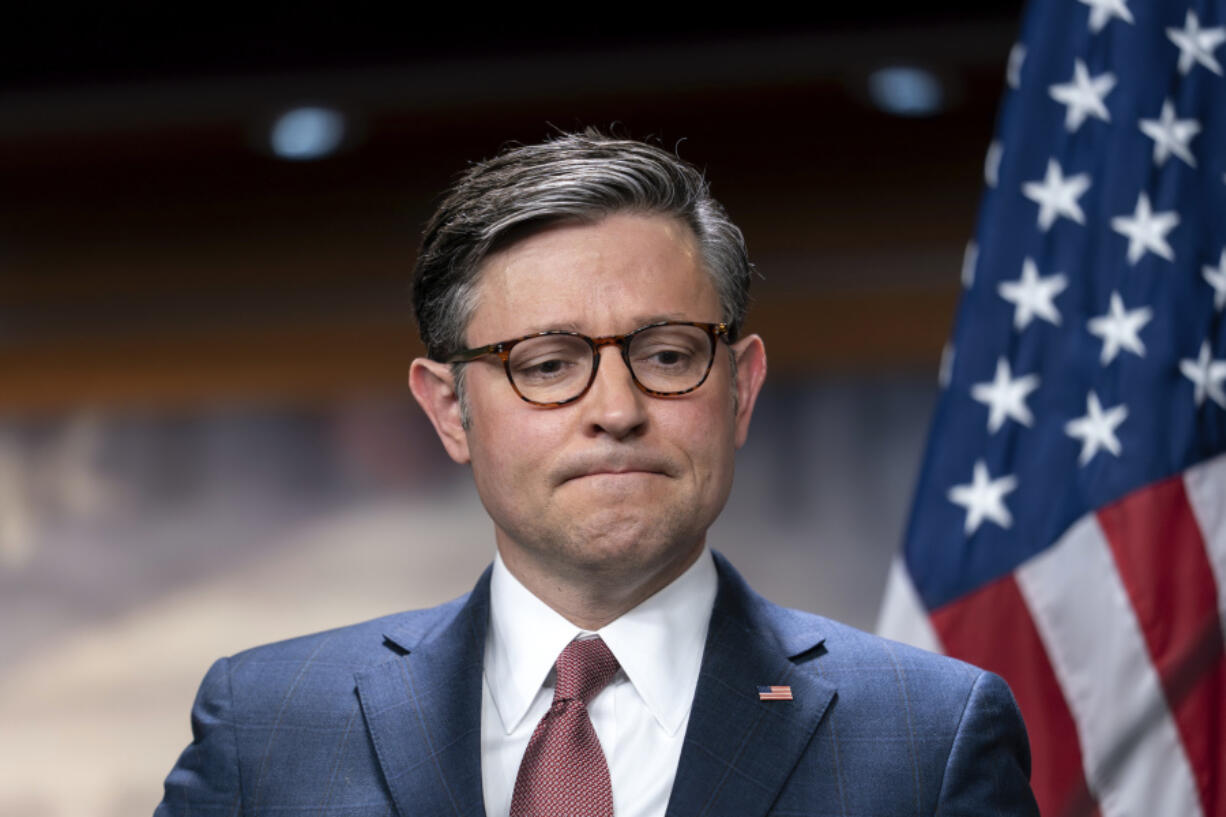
563, 773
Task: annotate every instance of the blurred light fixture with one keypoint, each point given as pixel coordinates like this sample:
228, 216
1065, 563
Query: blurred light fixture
906, 91
302, 134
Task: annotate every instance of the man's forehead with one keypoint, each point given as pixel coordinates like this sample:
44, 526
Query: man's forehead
633, 268
617, 241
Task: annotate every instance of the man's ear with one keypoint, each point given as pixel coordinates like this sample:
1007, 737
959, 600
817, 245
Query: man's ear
433, 384
750, 373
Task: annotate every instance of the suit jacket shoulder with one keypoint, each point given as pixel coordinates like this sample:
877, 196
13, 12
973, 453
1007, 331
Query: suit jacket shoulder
874, 727
279, 727
360, 644
869, 670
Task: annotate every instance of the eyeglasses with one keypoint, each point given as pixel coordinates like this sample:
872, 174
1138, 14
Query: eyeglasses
554, 368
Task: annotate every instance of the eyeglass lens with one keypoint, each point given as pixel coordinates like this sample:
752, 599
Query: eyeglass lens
557, 368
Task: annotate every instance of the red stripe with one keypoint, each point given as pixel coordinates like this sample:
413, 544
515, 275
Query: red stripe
992, 628
1160, 555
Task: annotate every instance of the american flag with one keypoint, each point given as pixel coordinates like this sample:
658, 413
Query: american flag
1069, 525
775, 693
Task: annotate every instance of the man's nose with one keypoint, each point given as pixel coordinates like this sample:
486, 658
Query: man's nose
614, 405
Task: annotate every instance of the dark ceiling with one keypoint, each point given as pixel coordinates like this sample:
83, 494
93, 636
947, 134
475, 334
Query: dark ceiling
52, 46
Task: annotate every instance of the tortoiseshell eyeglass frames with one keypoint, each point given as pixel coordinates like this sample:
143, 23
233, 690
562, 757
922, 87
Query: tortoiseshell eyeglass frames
551, 369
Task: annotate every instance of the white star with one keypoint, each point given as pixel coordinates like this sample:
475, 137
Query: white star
991, 163
1217, 280
1013, 72
970, 258
1057, 196
1171, 135
1207, 375
984, 498
1146, 230
1196, 45
1033, 296
1101, 12
1006, 396
1083, 95
1120, 329
1096, 429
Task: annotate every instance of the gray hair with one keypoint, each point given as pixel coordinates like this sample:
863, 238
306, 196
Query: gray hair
573, 177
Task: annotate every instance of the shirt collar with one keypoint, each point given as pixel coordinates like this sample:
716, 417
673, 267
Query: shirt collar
658, 643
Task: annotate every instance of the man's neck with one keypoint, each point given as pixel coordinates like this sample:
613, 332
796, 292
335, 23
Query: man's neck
590, 599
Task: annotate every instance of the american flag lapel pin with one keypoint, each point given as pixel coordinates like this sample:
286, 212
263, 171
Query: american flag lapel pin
775, 693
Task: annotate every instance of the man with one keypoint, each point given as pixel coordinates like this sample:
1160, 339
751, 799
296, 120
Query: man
581, 303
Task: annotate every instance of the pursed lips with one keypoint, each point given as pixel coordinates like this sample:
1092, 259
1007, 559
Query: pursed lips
599, 468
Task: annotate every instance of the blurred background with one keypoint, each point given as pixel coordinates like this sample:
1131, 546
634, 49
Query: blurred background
206, 234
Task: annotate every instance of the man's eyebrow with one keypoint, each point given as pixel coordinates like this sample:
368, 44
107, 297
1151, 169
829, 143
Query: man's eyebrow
561, 326
644, 320
638, 321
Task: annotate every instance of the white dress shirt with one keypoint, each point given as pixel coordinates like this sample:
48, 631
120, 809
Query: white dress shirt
639, 717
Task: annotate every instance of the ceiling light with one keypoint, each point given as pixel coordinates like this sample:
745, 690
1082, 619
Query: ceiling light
906, 91
307, 133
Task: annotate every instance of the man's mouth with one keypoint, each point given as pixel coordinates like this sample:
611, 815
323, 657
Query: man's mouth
618, 468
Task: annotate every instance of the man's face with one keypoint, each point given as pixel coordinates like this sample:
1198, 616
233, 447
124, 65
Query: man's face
618, 482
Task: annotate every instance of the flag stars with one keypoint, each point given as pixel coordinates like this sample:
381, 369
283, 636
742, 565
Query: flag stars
1171, 135
1120, 329
1102, 12
1005, 396
1146, 230
1096, 429
1217, 280
1206, 375
1083, 96
1057, 196
1033, 295
1196, 45
984, 498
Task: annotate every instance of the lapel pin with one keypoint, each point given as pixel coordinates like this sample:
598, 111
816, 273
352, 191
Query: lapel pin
775, 693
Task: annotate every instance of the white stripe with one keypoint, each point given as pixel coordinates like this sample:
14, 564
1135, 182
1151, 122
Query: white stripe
1134, 760
1206, 487
903, 616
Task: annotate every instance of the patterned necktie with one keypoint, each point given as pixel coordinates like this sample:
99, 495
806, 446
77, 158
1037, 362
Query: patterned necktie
563, 773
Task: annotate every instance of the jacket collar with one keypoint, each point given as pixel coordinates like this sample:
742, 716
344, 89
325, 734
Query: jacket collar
740, 750
423, 708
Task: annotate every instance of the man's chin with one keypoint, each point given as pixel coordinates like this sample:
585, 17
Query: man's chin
630, 543
626, 536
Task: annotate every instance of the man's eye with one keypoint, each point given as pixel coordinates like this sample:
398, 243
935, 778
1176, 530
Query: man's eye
544, 369
665, 357
670, 357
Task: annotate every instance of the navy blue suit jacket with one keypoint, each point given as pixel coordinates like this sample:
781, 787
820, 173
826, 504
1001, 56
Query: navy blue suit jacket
384, 718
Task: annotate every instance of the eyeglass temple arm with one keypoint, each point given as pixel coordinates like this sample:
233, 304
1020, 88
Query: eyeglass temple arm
469, 355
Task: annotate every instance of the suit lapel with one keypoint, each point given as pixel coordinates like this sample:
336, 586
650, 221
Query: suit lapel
738, 750
423, 711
